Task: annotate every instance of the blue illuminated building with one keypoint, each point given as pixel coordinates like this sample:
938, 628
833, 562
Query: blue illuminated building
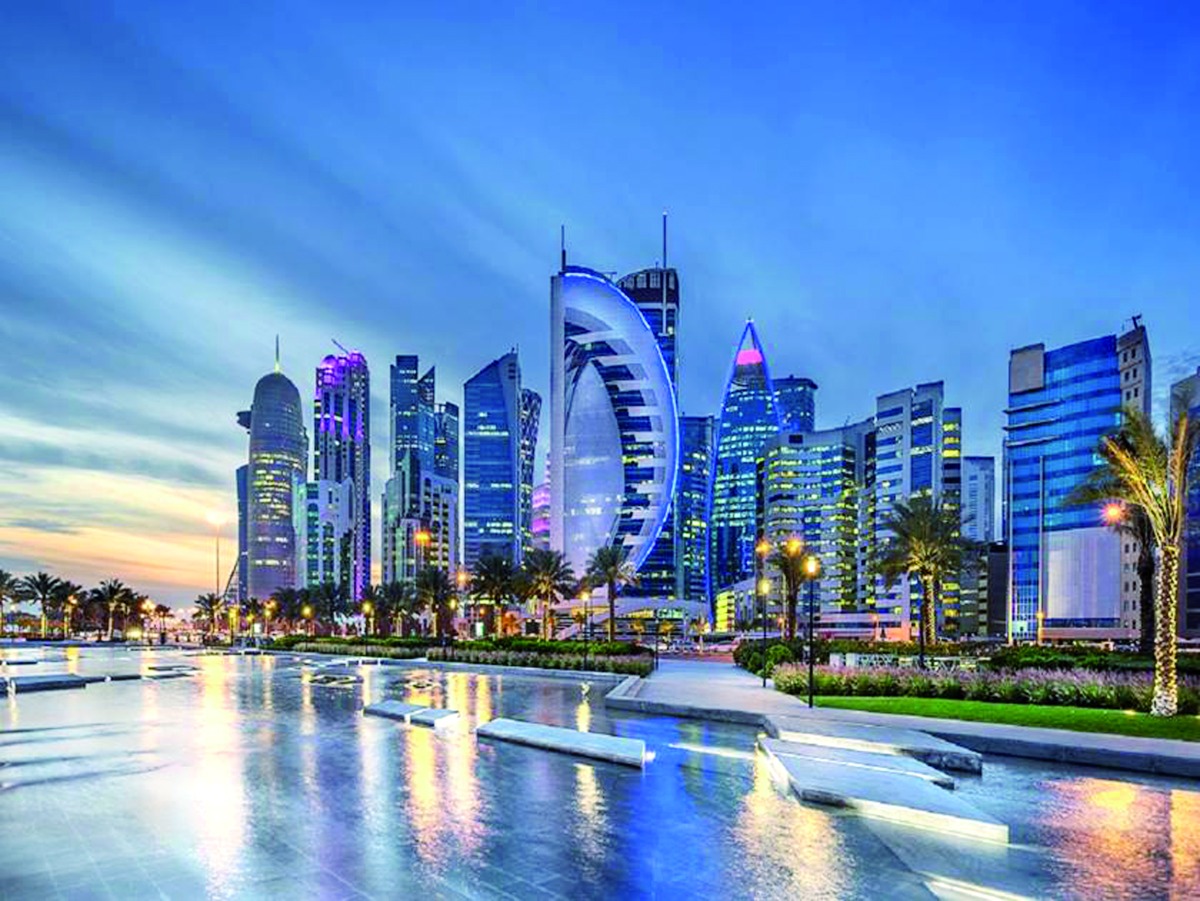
1185, 397
614, 440
749, 419
796, 398
1067, 568
691, 508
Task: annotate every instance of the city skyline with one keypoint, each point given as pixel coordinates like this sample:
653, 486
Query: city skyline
175, 250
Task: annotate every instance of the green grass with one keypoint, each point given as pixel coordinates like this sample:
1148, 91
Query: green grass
1080, 719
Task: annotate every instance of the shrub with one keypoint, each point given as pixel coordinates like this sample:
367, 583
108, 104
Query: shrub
777, 654
1111, 690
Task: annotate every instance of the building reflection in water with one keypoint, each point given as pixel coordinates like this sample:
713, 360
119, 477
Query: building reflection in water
219, 802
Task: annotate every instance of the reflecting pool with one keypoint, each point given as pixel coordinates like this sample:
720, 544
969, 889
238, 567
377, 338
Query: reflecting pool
246, 777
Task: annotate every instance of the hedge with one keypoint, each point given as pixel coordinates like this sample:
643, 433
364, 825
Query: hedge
1072, 688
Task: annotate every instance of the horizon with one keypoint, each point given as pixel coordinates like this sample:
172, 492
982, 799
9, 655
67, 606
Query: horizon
920, 196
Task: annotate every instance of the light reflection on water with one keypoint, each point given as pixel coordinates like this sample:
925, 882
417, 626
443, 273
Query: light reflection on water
252, 780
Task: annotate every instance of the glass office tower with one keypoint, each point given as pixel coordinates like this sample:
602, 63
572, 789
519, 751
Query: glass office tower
492, 484
691, 508
749, 418
614, 440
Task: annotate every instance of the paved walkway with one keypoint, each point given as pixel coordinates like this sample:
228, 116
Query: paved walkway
721, 691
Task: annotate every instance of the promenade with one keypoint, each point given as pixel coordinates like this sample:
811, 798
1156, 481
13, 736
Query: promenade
721, 691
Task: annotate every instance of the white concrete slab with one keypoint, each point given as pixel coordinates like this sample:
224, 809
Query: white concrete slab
597, 745
393, 710
928, 749
435, 718
55, 682
890, 796
884, 763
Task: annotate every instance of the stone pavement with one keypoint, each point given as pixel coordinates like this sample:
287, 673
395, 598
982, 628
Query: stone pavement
721, 691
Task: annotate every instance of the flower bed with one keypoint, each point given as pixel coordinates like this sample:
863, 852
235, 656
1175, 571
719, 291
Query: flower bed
391, 652
1071, 688
628, 664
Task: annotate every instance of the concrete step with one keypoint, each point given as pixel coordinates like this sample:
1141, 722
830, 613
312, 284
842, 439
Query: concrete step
884, 763
393, 710
55, 682
597, 745
936, 752
892, 796
435, 718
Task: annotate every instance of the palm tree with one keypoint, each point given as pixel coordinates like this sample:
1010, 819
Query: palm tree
113, 595
1145, 471
396, 603
549, 575
9, 591
926, 543
162, 611
209, 607
436, 591
69, 594
609, 567
492, 581
286, 604
41, 589
789, 560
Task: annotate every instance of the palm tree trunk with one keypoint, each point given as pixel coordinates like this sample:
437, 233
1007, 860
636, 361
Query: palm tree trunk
1166, 690
1145, 571
43, 620
792, 594
612, 610
546, 619
929, 612
110, 622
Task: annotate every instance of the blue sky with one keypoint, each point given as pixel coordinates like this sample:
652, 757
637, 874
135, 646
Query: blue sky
896, 193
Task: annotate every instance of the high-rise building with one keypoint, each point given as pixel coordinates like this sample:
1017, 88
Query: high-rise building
540, 529
979, 499
613, 422
275, 478
492, 519
918, 447
818, 487
531, 418
749, 419
691, 508
421, 499
342, 457
1185, 398
1068, 569
795, 397
243, 502
656, 294
326, 555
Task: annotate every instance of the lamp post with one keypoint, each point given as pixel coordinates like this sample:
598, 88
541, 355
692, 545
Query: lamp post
461, 577
367, 609
763, 585
585, 596
307, 612
812, 568
421, 539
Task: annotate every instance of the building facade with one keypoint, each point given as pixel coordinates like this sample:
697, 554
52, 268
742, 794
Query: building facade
531, 419
614, 438
342, 450
691, 508
796, 398
275, 477
492, 498
749, 419
1068, 570
979, 499
1185, 398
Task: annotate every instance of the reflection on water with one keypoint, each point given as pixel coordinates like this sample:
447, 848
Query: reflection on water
249, 779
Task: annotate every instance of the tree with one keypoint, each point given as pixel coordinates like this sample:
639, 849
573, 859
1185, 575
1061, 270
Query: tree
549, 575
113, 595
436, 591
925, 543
162, 611
209, 608
285, 604
492, 581
399, 604
41, 589
1142, 470
69, 595
789, 560
8, 593
609, 567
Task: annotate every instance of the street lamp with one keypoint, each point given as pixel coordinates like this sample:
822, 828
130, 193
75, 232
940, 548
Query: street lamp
761, 549
421, 539
307, 613
461, 577
367, 608
812, 569
585, 596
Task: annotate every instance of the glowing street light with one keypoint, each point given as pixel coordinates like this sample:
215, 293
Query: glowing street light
1113, 513
761, 549
812, 569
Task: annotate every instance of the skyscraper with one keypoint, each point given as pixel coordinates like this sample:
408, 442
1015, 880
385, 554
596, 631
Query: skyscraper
1185, 397
656, 294
614, 437
817, 486
979, 499
275, 478
531, 417
918, 447
749, 419
1069, 569
796, 398
342, 457
243, 502
421, 499
691, 508
492, 501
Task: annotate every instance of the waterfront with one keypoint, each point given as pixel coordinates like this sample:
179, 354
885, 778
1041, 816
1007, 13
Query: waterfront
246, 778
